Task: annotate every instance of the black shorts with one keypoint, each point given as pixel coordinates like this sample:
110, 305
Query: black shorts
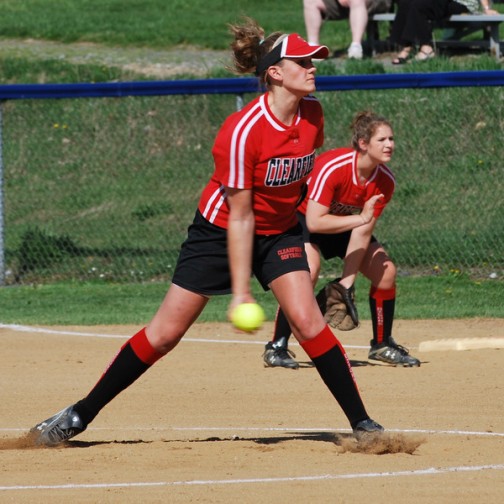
330, 245
203, 264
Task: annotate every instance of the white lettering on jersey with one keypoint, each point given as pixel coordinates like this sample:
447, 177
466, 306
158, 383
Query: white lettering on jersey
285, 171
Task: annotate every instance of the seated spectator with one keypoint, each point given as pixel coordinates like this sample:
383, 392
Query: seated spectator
412, 26
316, 11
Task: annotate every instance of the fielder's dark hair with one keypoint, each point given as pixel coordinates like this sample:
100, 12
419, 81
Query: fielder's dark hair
364, 125
249, 46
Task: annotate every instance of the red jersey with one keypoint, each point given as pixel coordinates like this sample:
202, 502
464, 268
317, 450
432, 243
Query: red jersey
335, 184
253, 150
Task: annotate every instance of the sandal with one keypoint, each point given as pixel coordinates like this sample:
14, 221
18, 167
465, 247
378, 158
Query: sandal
423, 55
402, 57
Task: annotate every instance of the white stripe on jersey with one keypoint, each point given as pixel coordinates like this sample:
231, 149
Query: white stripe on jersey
241, 151
325, 172
238, 140
219, 193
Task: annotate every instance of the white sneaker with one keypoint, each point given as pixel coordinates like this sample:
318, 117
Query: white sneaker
355, 51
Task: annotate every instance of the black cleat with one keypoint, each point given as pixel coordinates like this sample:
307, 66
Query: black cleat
279, 356
392, 353
59, 428
366, 428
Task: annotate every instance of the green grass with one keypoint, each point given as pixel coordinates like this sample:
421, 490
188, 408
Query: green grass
153, 23
94, 303
26, 71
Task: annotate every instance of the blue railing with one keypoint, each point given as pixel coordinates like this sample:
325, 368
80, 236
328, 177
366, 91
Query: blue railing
248, 85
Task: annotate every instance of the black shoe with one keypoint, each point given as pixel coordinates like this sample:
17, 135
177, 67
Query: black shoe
392, 353
366, 428
59, 428
279, 356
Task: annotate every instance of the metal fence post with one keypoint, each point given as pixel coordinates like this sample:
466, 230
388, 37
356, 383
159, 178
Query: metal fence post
2, 242
239, 102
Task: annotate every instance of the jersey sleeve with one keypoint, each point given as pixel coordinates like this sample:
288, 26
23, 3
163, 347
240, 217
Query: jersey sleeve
234, 155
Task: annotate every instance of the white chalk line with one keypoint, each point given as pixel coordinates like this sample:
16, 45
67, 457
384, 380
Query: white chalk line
31, 329
322, 477
272, 429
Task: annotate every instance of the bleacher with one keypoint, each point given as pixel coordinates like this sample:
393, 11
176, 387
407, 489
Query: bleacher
456, 31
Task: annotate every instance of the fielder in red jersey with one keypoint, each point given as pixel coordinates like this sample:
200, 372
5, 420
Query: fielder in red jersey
348, 191
335, 184
245, 223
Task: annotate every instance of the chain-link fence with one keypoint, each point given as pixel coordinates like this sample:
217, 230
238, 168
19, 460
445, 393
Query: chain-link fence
104, 188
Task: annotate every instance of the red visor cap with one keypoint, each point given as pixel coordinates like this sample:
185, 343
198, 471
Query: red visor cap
291, 46
294, 46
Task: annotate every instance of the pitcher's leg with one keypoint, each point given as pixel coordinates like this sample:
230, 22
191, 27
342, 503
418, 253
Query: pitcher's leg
296, 298
175, 315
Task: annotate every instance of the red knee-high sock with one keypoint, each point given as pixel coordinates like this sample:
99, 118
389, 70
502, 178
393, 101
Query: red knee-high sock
133, 359
382, 306
334, 368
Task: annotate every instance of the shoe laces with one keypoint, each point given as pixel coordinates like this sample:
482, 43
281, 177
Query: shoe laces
396, 346
59, 434
402, 349
284, 353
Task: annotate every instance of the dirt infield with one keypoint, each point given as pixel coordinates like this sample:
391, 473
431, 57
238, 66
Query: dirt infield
210, 424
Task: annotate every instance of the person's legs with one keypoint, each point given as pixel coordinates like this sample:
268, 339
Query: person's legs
276, 352
179, 309
397, 32
294, 293
313, 12
196, 277
423, 14
413, 26
418, 23
358, 19
403, 56
379, 268
176, 314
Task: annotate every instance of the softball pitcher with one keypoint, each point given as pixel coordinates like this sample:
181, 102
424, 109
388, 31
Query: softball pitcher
245, 223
